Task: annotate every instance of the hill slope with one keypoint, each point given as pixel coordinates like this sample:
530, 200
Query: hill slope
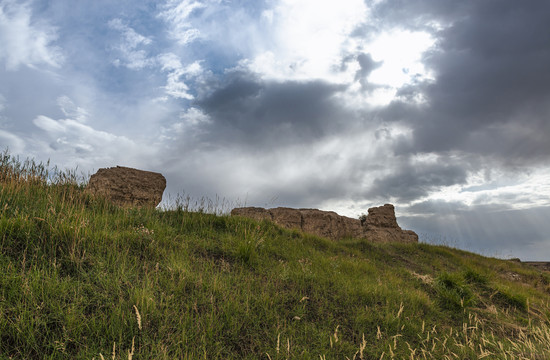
83, 279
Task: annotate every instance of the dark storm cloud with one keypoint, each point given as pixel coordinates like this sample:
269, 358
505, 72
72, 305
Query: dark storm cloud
247, 111
414, 181
490, 230
490, 96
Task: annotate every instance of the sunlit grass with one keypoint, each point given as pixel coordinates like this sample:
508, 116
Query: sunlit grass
83, 279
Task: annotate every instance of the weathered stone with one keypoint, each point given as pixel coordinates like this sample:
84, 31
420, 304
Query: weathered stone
329, 224
382, 217
287, 217
256, 213
128, 187
379, 226
409, 236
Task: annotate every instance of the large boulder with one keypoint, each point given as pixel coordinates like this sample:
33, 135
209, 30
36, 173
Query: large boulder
380, 225
128, 187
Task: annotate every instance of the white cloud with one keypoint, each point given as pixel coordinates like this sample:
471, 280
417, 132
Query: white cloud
131, 57
188, 124
400, 52
176, 13
175, 86
133, 39
194, 117
73, 133
137, 59
24, 40
307, 38
15, 144
71, 110
77, 144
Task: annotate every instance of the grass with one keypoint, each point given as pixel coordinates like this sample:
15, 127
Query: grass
83, 279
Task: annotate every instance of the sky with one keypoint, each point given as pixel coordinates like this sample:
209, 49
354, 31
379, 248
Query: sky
440, 107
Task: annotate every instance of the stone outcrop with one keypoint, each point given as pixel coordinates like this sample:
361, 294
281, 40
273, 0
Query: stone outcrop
128, 187
323, 223
379, 225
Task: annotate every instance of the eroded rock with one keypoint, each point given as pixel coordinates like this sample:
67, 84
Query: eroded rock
380, 225
126, 186
323, 223
329, 224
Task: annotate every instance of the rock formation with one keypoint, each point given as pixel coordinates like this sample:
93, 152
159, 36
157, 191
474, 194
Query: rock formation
128, 187
323, 223
379, 225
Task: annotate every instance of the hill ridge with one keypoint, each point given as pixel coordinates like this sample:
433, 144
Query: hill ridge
81, 278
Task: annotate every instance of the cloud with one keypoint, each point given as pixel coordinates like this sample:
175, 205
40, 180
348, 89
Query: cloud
489, 95
177, 13
72, 134
250, 112
70, 109
410, 182
134, 57
175, 87
306, 39
366, 66
82, 145
14, 143
131, 57
25, 40
490, 230
189, 124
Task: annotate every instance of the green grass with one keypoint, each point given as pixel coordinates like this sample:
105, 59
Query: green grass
83, 279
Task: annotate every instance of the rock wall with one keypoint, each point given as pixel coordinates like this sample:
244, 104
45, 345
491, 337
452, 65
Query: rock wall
128, 187
323, 223
380, 225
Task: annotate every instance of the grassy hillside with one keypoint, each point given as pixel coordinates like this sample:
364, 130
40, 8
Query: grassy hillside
83, 279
